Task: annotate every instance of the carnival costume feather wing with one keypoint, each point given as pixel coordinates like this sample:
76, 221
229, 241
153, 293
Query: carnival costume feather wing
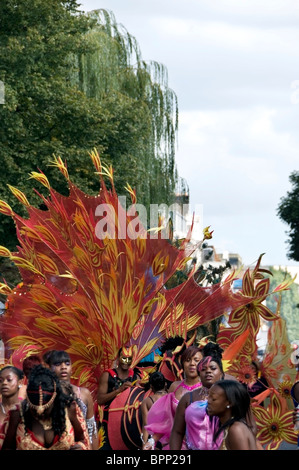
94, 280
277, 365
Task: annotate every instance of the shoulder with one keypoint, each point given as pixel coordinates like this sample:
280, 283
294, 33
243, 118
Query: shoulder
145, 404
85, 392
239, 437
237, 425
185, 400
104, 376
238, 429
174, 385
230, 377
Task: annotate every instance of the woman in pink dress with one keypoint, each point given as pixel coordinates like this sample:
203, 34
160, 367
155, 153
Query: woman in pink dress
192, 422
160, 417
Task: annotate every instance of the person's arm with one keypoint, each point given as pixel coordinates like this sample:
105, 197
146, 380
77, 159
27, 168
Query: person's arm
179, 425
144, 410
103, 396
80, 435
90, 419
9, 442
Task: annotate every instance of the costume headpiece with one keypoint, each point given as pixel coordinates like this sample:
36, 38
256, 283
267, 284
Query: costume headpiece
41, 407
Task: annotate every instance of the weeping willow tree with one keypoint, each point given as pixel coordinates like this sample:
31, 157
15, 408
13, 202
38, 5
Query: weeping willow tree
143, 151
76, 81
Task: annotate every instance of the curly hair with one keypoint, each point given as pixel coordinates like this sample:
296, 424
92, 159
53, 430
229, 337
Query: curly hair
30, 362
211, 352
44, 377
212, 349
157, 381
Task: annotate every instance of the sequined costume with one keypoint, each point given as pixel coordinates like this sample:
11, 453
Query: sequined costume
26, 440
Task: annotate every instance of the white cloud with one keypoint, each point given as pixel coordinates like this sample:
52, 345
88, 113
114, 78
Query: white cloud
227, 36
227, 152
232, 64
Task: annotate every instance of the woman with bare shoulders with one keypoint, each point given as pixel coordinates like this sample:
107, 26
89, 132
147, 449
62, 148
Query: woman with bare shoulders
157, 384
60, 363
191, 422
47, 419
161, 415
230, 402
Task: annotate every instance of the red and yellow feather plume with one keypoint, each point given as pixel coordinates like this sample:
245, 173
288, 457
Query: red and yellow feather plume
93, 280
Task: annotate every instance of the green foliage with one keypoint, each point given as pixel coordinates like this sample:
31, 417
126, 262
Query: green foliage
43, 113
211, 274
289, 308
288, 212
75, 82
147, 129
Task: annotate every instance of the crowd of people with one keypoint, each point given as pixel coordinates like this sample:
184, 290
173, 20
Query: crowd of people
41, 409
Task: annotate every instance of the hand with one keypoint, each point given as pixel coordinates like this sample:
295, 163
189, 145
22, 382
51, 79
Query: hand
76, 447
124, 386
149, 445
146, 446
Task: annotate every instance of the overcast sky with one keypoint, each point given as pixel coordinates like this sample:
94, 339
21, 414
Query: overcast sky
234, 66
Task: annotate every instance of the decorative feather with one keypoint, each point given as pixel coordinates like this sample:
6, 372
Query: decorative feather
92, 285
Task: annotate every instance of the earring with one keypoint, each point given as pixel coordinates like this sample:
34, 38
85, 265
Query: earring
228, 406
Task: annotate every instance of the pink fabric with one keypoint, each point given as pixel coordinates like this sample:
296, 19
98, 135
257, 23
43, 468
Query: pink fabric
200, 428
160, 418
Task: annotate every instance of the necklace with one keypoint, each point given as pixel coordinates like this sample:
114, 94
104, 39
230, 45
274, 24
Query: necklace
191, 387
46, 424
10, 407
204, 392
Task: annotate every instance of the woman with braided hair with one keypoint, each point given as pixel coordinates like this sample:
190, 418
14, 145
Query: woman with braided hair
48, 419
60, 363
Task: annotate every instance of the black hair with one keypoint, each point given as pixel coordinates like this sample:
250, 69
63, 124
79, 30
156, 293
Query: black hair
211, 352
157, 381
58, 356
30, 362
212, 349
44, 377
171, 343
239, 400
18, 372
47, 355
